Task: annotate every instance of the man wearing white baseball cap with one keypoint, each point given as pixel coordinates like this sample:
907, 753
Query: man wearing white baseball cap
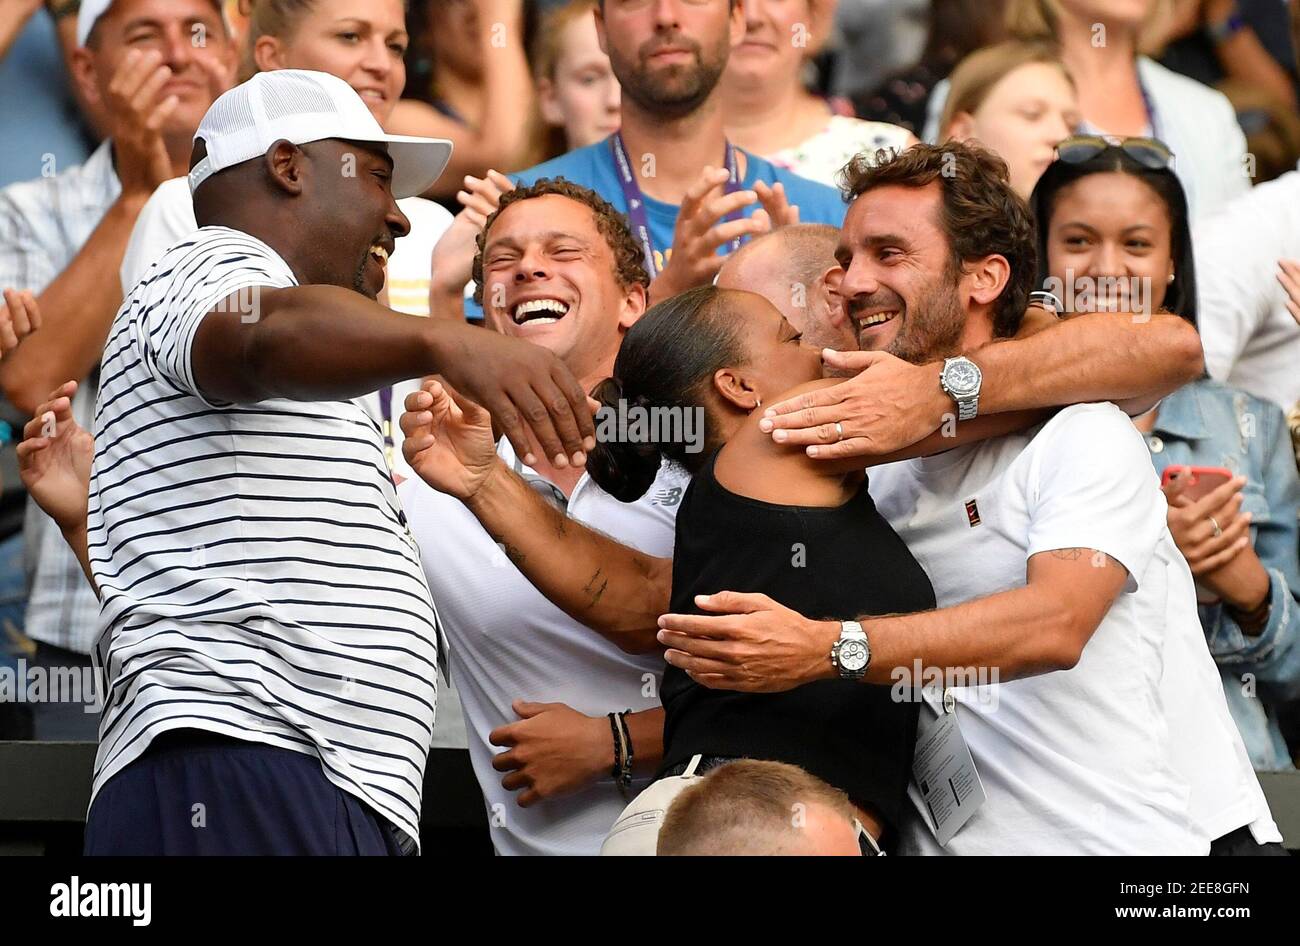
268, 643
148, 71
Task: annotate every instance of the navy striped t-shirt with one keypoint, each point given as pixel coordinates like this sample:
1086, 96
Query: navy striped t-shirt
258, 579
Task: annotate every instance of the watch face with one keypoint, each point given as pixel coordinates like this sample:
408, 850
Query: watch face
962, 378
853, 655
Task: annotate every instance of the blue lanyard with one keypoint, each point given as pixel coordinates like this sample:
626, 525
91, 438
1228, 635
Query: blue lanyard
635, 199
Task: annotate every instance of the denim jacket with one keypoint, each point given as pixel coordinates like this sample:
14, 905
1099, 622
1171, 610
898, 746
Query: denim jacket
1210, 424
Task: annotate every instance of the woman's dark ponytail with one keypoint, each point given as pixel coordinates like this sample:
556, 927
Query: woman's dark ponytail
666, 362
622, 469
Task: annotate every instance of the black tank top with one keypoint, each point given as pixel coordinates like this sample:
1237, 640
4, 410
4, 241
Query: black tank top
826, 563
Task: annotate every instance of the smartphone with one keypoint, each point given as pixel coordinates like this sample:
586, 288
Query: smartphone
1198, 480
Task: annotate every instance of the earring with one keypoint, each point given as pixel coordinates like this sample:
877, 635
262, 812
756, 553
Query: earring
758, 402
1171, 278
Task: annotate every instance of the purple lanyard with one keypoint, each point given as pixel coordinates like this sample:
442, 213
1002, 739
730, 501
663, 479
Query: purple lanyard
635, 200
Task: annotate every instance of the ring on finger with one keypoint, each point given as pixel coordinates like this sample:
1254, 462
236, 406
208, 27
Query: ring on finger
1215, 523
839, 431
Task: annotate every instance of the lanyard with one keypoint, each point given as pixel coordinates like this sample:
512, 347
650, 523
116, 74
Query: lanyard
635, 200
386, 412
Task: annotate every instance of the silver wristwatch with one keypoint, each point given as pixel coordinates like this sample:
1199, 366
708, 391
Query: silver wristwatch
851, 654
961, 379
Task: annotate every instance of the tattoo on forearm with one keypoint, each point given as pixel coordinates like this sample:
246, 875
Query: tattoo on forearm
596, 587
515, 554
1098, 557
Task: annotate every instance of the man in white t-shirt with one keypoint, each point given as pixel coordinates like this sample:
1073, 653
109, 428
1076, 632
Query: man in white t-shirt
558, 268
1048, 551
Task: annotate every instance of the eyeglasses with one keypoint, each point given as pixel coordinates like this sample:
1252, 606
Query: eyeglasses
1147, 152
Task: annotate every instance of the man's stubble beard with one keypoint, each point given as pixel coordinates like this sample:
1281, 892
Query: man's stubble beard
934, 325
650, 96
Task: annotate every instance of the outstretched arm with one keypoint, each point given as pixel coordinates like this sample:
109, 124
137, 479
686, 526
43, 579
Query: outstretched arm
613, 589
323, 342
750, 642
1133, 361
891, 404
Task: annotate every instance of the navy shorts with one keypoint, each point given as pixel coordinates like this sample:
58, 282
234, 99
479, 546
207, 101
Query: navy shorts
195, 792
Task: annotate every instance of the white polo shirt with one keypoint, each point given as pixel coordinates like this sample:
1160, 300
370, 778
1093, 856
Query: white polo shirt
1080, 761
507, 642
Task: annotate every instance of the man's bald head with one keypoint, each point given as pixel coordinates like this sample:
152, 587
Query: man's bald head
789, 267
752, 807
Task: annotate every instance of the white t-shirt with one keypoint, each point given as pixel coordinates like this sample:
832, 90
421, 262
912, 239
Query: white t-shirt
168, 216
1250, 339
1207, 746
1076, 761
257, 579
508, 642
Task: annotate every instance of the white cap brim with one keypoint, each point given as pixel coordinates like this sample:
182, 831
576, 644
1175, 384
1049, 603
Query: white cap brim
417, 163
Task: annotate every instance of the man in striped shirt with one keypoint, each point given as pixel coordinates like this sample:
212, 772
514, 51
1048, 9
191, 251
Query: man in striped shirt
268, 641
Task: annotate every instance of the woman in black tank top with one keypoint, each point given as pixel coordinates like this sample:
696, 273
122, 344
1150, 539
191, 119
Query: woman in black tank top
834, 562
761, 518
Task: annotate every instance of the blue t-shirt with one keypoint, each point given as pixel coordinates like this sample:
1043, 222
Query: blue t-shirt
593, 166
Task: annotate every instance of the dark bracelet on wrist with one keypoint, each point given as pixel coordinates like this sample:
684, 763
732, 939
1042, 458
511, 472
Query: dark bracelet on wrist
622, 771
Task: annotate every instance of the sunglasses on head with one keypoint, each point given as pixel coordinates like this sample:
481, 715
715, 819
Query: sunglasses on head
1147, 152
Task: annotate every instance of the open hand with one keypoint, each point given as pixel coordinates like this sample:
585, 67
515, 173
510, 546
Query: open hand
54, 460
888, 405
448, 440
694, 260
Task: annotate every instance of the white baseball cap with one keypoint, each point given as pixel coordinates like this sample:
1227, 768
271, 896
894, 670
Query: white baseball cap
90, 11
300, 107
